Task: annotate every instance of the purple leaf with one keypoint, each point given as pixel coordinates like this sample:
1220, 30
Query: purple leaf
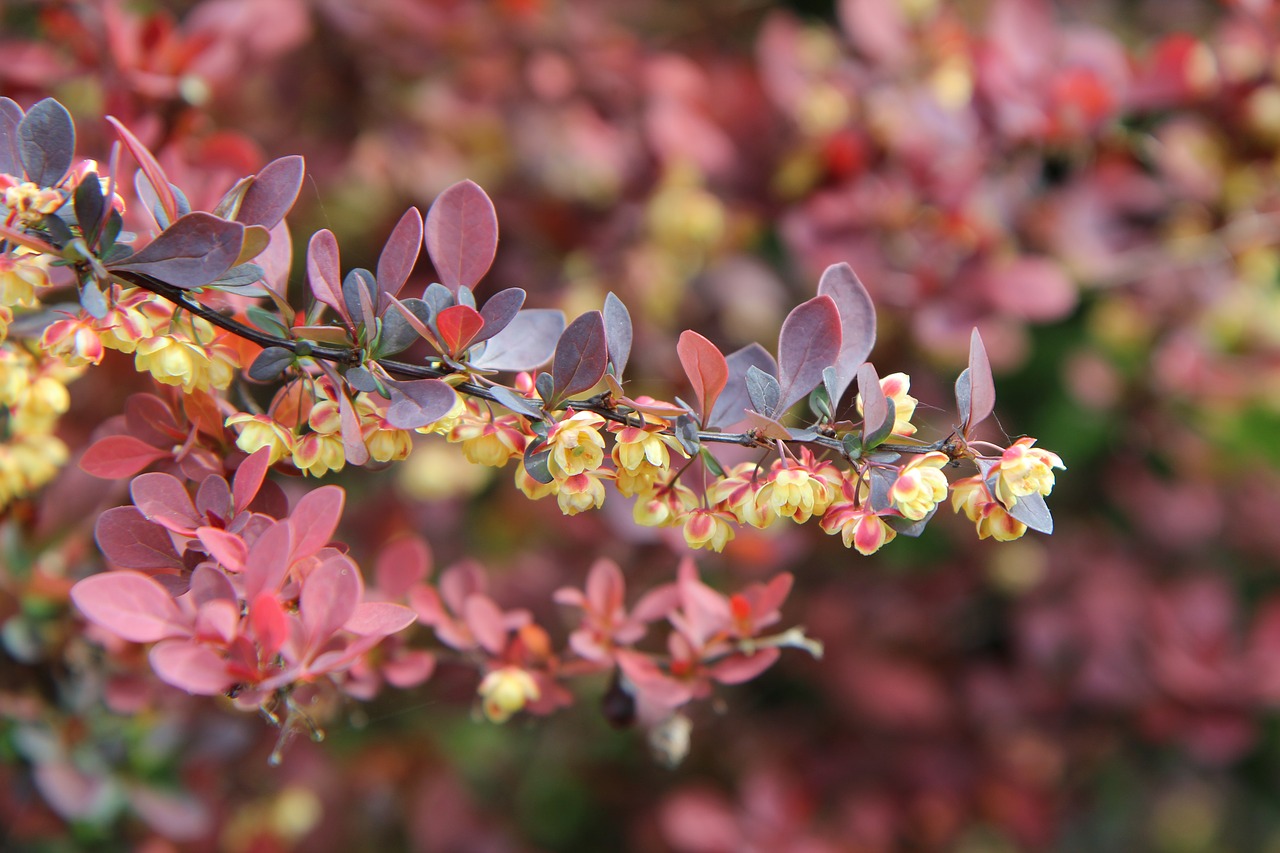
878, 412
315, 518
272, 192
400, 253
189, 666
329, 598
128, 540
808, 343
581, 356
46, 142
227, 548
269, 559
1032, 511
10, 117
982, 388
213, 499
210, 584
118, 456
498, 312
618, 332
150, 168
353, 446
527, 342
151, 419
763, 392
461, 235
419, 402
735, 399
163, 498
324, 273
706, 368
857, 322
193, 251
130, 605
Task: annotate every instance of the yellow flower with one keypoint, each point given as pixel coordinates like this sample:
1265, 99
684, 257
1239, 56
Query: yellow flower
795, 493
20, 275
505, 691
1025, 470
6, 317
533, 490
665, 506
920, 486
446, 423
858, 527
706, 528
579, 493
971, 496
73, 340
576, 445
737, 492
491, 442
261, 431
32, 203
173, 361
317, 454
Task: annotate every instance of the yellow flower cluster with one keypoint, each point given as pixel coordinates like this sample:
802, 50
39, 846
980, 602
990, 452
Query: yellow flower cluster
33, 395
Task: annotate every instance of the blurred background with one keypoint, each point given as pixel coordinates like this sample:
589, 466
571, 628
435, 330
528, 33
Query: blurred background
1094, 184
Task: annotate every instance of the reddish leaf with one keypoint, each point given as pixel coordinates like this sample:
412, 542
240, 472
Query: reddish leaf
193, 251
329, 598
269, 623
130, 605
129, 541
400, 253
324, 273
461, 235
269, 560
458, 326
118, 456
808, 343
379, 618
273, 192
706, 368
163, 498
155, 175
857, 321
737, 669
735, 399
248, 478
227, 548
213, 499
353, 446
401, 564
210, 584
486, 623
151, 419
315, 518
191, 667
581, 356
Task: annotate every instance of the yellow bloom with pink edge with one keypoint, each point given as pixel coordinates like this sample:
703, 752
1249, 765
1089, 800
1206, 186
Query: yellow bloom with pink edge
173, 361
20, 275
579, 493
317, 454
505, 691
859, 528
920, 486
1025, 470
795, 493
991, 519
706, 528
73, 340
895, 386
259, 431
576, 445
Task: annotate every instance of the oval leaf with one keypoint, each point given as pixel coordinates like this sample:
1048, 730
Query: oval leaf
808, 343
324, 273
735, 399
982, 388
527, 342
154, 175
191, 252
10, 153
272, 192
315, 518
191, 667
329, 598
400, 253
581, 356
461, 235
419, 402
618, 332
46, 142
499, 311
857, 323
119, 456
878, 411
129, 541
706, 368
130, 605
458, 327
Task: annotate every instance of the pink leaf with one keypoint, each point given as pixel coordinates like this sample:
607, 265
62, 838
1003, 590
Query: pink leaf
268, 562
379, 618
119, 456
401, 564
706, 368
163, 498
324, 273
227, 548
409, 669
651, 682
353, 446
486, 623
151, 168
329, 598
606, 587
248, 478
808, 344
191, 667
736, 669
461, 235
315, 518
981, 387
213, 499
218, 620
273, 192
268, 622
130, 605
400, 253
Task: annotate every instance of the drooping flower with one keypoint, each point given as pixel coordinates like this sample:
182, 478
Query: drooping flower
972, 496
1025, 470
859, 527
576, 445
920, 486
707, 528
505, 691
258, 431
895, 386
